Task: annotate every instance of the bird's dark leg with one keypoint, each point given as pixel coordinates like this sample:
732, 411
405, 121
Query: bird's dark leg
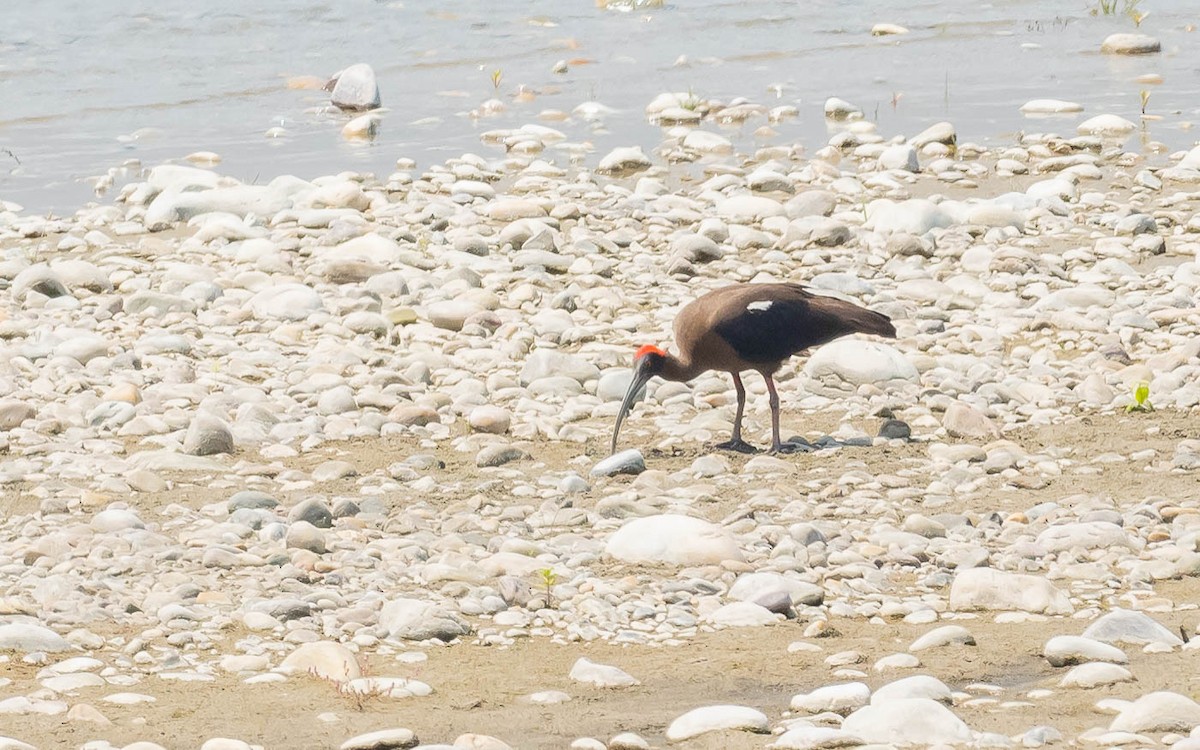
777, 445
736, 443
741, 407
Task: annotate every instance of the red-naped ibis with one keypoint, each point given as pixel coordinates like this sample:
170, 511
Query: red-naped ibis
749, 327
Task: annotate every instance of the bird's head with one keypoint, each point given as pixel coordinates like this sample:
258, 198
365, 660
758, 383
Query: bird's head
647, 362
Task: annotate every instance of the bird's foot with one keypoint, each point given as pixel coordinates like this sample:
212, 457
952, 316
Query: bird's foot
739, 445
790, 447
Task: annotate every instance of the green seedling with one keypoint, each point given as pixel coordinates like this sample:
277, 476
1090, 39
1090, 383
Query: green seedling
1141, 398
1128, 7
497, 76
548, 578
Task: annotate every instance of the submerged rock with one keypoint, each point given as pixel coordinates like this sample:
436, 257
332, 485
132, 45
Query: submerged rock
1130, 44
354, 88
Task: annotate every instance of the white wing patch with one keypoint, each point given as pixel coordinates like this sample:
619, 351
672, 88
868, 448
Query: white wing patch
760, 305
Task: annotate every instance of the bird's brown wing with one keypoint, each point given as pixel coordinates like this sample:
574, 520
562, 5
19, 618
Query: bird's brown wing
769, 332
774, 325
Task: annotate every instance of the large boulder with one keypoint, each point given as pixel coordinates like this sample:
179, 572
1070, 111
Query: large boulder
1127, 626
989, 589
419, 620
849, 363
28, 637
176, 204
1160, 711
674, 540
325, 659
908, 721
354, 88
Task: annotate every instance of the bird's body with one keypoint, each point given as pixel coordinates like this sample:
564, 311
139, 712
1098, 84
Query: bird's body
751, 327
759, 326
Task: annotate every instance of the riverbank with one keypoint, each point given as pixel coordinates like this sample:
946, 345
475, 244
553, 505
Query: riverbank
268, 446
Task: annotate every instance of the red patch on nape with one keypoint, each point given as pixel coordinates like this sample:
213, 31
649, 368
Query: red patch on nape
648, 349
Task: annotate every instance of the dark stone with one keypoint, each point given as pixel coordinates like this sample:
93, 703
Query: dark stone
251, 499
802, 445
50, 287
498, 455
287, 609
778, 602
346, 508
1117, 353
315, 511
895, 429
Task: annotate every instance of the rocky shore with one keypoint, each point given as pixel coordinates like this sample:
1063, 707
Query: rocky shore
318, 463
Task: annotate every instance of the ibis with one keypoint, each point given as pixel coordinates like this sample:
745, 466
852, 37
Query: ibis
745, 327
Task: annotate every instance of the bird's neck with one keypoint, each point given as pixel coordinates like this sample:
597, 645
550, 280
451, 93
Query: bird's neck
679, 370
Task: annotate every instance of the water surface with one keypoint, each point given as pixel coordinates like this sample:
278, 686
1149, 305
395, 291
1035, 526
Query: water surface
88, 84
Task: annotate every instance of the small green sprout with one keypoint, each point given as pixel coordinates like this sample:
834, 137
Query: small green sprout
1109, 8
549, 578
692, 102
497, 76
1141, 398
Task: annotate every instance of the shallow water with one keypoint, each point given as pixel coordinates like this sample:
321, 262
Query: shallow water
88, 84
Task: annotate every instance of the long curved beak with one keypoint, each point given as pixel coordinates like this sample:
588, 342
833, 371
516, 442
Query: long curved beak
641, 376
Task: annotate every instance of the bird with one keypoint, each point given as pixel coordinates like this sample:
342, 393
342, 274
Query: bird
749, 326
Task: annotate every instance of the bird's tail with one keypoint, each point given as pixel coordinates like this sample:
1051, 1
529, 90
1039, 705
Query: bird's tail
869, 321
854, 319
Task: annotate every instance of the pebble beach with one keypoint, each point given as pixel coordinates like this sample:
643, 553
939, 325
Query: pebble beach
323, 461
